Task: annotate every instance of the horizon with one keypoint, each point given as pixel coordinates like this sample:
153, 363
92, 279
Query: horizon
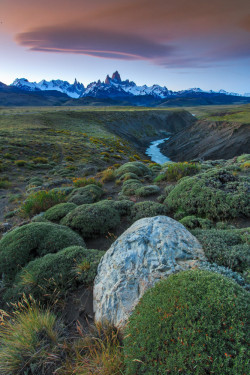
178, 45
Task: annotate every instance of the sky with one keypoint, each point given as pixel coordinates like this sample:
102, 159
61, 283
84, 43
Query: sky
175, 43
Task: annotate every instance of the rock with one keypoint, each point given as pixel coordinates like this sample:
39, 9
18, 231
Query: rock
151, 249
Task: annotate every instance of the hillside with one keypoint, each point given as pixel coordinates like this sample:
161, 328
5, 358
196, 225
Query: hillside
94, 236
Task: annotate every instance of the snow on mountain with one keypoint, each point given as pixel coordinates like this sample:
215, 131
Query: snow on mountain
112, 87
74, 91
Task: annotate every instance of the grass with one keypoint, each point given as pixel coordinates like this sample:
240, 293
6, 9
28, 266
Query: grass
29, 340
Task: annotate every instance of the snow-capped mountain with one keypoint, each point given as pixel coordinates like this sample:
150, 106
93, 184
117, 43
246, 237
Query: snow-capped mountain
113, 87
74, 90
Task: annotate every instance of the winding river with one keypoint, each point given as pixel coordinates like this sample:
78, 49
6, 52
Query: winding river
154, 152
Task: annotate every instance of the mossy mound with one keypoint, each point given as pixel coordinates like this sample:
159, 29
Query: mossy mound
216, 194
128, 176
147, 209
86, 195
56, 213
136, 167
130, 186
146, 191
63, 271
192, 222
229, 248
20, 246
93, 219
123, 207
192, 323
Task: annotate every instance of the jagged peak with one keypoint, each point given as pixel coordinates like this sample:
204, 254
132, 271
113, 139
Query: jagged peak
116, 76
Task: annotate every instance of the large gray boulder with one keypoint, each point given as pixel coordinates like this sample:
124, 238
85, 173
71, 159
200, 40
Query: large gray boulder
151, 249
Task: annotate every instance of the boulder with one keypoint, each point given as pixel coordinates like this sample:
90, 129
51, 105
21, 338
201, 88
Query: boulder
151, 249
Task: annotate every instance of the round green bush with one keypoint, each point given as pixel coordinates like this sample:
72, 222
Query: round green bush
147, 209
216, 194
129, 176
148, 190
30, 241
192, 222
123, 206
86, 195
192, 323
136, 167
93, 219
57, 212
63, 271
228, 248
130, 186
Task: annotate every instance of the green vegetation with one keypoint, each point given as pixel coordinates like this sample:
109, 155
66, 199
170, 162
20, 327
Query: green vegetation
147, 209
31, 340
41, 201
81, 182
192, 222
229, 248
23, 244
215, 194
49, 278
175, 171
57, 212
88, 194
93, 219
147, 190
194, 323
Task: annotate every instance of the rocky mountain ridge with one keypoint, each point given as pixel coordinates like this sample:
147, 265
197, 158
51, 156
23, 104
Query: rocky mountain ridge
112, 87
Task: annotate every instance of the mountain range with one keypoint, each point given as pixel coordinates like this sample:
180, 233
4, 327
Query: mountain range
113, 91
112, 87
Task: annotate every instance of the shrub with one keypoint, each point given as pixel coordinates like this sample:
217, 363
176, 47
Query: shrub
93, 219
229, 248
243, 158
98, 352
41, 201
57, 212
20, 163
40, 160
35, 181
83, 181
130, 186
135, 167
58, 272
148, 190
216, 194
29, 341
129, 176
175, 171
86, 195
30, 241
147, 209
5, 183
191, 222
107, 175
192, 323
123, 206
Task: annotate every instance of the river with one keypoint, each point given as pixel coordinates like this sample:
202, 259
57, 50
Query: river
154, 152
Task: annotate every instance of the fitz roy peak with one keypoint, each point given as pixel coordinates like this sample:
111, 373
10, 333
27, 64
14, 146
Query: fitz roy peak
113, 87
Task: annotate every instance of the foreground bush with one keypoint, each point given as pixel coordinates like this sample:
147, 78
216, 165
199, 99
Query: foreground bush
29, 341
229, 248
147, 209
86, 195
55, 274
193, 323
41, 201
136, 167
93, 219
30, 241
216, 194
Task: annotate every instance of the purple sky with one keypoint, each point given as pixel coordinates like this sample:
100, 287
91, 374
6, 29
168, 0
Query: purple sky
180, 44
